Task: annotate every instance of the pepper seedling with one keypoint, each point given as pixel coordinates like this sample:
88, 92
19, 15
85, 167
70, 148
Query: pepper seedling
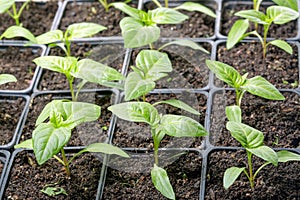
9, 7
274, 14
252, 140
257, 85
107, 5
161, 125
86, 69
7, 78
49, 138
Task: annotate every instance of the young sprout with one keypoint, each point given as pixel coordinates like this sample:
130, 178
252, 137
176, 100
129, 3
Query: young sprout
274, 14
49, 138
161, 125
7, 78
85, 69
9, 7
107, 5
252, 140
257, 85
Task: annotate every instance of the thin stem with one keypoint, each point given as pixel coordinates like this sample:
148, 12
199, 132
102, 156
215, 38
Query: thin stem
59, 160
166, 3
157, 3
260, 168
144, 98
70, 80
151, 46
22, 8
251, 178
66, 163
15, 14
266, 29
239, 96
156, 145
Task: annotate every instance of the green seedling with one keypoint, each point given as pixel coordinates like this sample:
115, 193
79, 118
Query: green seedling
49, 138
274, 14
54, 191
56, 37
9, 7
86, 69
287, 3
252, 140
7, 78
161, 125
107, 5
257, 85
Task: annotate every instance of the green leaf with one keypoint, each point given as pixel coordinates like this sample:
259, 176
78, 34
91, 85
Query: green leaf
234, 113
282, 45
179, 104
225, 73
237, 32
262, 88
287, 3
181, 126
64, 65
50, 37
5, 5
18, 31
153, 64
281, 15
136, 112
166, 16
191, 6
48, 141
230, 175
161, 182
106, 148
253, 16
83, 29
27, 144
6, 78
136, 34
132, 12
246, 135
135, 86
185, 43
265, 153
285, 156
96, 72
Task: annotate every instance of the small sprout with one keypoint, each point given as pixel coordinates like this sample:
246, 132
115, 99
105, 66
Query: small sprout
105, 128
107, 5
54, 191
295, 84
9, 7
274, 14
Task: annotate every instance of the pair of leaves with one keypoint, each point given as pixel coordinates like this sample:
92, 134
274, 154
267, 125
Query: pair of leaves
6, 78
257, 85
49, 138
151, 65
140, 28
85, 69
172, 125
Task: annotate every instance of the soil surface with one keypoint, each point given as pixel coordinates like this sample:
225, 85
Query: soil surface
37, 17
189, 68
278, 120
18, 62
84, 134
279, 67
272, 182
288, 30
11, 109
138, 135
184, 175
93, 12
27, 178
111, 55
198, 25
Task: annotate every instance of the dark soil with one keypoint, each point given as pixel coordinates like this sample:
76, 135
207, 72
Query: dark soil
279, 67
18, 62
10, 114
198, 25
138, 135
189, 68
278, 120
272, 182
111, 55
27, 178
184, 176
93, 12
228, 18
84, 134
37, 17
